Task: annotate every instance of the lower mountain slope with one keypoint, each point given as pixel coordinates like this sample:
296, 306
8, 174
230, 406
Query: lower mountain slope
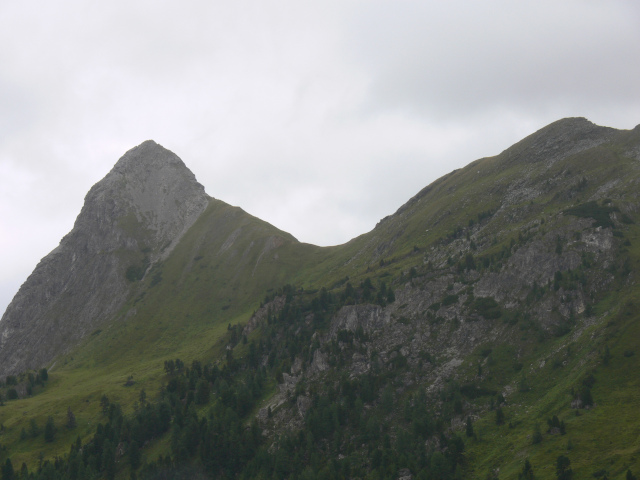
487, 329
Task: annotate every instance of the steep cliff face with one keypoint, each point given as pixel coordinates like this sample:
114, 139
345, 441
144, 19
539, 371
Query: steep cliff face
134, 216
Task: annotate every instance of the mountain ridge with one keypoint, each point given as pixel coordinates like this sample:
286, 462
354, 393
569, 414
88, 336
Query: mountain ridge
146, 177
500, 297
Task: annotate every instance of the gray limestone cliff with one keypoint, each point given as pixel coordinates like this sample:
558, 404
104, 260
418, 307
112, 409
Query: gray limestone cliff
134, 216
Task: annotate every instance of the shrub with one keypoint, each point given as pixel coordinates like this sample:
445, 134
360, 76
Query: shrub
592, 210
449, 300
487, 307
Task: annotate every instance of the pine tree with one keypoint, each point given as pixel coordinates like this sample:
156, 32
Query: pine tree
34, 430
49, 430
499, 416
606, 357
563, 468
391, 297
527, 471
537, 435
203, 392
71, 419
387, 399
7, 471
469, 429
109, 460
134, 455
585, 396
104, 403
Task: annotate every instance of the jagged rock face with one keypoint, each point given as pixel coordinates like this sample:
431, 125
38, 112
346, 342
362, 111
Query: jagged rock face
436, 323
137, 213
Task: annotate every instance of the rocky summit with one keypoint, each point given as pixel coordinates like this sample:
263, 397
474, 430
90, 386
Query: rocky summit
487, 329
135, 215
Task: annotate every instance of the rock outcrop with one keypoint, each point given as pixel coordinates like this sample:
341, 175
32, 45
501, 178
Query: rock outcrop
133, 217
535, 239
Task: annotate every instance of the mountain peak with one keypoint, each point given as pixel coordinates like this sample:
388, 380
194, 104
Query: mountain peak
558, 140
131, 218
148, 154
575, 126
153, 184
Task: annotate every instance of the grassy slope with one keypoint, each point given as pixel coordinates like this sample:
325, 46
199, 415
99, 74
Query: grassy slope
203, 289
604, 438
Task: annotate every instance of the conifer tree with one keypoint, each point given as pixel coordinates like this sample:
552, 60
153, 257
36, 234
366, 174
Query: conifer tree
7, 470
469, 429
563, 468
499, 416
71, 419
49, 430
527, 471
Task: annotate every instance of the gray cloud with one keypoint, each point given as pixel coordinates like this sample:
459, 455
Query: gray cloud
473, 58
319, 117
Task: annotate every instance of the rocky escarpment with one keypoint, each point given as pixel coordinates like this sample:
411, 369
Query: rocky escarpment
131, 218
521, 261
445, 315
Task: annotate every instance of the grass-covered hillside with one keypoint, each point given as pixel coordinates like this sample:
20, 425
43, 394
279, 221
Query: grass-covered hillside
487, 329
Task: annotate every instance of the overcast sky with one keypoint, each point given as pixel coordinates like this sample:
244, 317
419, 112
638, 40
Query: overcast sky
320, 117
